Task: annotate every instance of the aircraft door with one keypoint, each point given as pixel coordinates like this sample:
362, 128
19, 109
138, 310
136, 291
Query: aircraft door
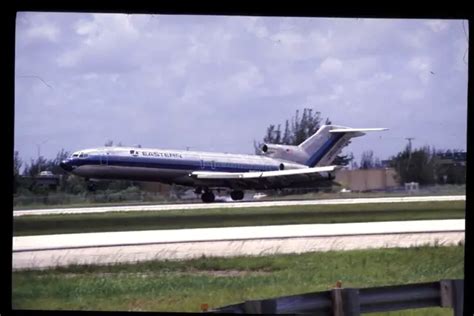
104, 158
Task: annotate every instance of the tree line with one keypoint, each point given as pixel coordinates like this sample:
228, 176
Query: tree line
428, 166
423, 165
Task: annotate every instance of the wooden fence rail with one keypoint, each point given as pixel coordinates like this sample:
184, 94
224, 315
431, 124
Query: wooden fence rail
353, 302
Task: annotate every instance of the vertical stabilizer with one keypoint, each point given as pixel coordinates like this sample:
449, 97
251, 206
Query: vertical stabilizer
323, 147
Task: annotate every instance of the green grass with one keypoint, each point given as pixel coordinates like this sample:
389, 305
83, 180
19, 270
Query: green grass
185, 285
98, 204
309, 214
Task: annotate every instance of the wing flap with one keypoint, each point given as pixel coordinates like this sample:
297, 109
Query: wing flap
260, 174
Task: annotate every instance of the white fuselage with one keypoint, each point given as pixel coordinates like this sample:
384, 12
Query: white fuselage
168, 166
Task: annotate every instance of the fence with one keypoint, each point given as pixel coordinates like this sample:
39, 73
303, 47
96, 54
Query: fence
353, 302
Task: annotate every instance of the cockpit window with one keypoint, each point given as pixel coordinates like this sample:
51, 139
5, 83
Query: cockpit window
75, 155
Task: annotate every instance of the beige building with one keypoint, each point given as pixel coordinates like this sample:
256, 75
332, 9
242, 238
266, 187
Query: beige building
155, 187
367, 179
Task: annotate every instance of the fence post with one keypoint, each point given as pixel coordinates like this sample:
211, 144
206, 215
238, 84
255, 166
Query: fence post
351, 302
336, 298
458, 297
345, 302
452, 295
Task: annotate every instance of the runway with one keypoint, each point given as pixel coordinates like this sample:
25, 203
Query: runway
105, 248
194, 206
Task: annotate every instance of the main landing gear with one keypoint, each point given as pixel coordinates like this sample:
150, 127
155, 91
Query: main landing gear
207, 196
237, 195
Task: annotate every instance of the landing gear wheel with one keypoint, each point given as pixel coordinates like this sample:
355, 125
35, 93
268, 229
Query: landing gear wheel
237, 195
208, 197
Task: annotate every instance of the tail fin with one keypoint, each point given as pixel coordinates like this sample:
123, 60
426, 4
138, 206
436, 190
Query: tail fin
323, 147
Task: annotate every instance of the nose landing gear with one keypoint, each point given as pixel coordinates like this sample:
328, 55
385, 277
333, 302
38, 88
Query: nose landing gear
208, 196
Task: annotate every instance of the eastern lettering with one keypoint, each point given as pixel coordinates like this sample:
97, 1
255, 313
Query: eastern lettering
161, 154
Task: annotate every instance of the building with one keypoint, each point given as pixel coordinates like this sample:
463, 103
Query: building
367, 179
451, 167
452, 158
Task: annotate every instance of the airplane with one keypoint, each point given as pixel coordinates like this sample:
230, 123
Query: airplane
276, 167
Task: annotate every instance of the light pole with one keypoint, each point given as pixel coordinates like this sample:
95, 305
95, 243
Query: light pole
409, 150
39, 147
409, 142
39, 153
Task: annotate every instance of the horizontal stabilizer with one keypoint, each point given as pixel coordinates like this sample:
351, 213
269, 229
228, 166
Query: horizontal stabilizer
352, 130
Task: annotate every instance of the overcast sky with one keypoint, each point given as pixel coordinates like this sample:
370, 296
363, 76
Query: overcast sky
215, 83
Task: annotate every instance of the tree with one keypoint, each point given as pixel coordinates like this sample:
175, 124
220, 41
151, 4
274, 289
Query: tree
377, 163
17, 163
343, 160
256, 147
109, 143
367, 160
286, 139
270, 136
418, 165
278, 135
354, 165
36, 166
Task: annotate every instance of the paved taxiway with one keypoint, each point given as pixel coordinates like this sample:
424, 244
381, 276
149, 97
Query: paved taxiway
165, 207
113, 247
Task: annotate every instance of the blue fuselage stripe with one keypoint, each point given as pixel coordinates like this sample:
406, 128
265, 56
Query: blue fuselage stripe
176, 164
321, 152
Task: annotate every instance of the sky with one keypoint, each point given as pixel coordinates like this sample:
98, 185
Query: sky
215, 83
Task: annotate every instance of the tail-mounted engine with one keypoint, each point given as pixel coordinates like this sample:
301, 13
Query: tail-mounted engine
272, 148
285, 152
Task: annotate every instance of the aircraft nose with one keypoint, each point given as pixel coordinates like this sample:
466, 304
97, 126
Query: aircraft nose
65, 164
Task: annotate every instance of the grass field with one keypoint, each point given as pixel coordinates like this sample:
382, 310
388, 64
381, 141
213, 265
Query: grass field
309, 214
185, 285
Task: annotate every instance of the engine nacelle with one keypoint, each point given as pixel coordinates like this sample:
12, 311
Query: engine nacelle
284, 152
272, 148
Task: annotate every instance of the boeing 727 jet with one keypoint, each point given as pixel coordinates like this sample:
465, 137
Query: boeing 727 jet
279, 166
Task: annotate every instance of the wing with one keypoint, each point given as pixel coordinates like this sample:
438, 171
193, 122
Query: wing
266, 179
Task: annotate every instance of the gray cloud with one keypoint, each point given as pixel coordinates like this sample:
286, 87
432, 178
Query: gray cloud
216, 83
